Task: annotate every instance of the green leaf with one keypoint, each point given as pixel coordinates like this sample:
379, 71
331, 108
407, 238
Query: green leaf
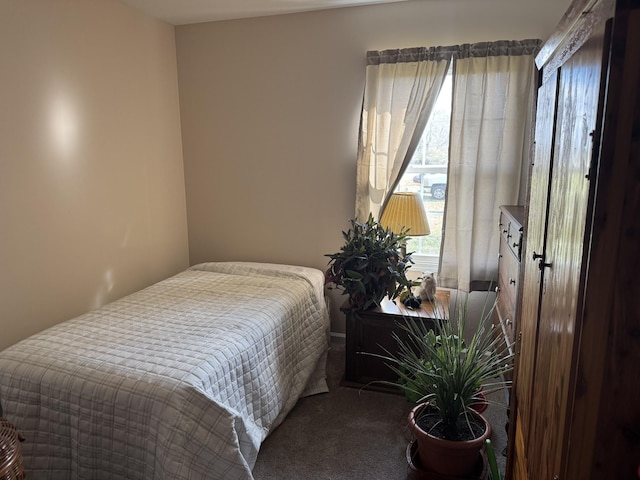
494, 472
354, 274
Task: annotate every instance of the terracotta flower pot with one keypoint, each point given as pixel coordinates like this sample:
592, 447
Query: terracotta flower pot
447, 457
417, 471
482, 404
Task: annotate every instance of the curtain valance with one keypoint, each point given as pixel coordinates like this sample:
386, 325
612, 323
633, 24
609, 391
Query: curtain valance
466, 50
408, 55
502, 48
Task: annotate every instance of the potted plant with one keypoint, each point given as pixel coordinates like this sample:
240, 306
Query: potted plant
442, 373
369, 266
411, 385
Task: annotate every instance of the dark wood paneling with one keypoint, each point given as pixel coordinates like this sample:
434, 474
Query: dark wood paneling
536, 230
578, 95
577, 380
606, 418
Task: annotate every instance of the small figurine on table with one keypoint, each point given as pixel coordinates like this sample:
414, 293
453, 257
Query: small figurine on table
427, 289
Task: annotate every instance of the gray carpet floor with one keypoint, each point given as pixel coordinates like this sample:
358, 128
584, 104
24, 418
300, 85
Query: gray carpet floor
349, 433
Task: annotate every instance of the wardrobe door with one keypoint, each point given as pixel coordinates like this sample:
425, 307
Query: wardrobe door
551, 395
536, 230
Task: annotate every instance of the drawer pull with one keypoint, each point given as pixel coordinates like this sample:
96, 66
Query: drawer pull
512, 281
537, 256
515, 244
509, 322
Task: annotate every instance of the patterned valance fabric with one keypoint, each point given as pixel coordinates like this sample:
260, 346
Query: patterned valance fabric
408, 55
510, 48
466, 50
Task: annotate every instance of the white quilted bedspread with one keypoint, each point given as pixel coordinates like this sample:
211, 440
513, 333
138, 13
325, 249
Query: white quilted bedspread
182, 380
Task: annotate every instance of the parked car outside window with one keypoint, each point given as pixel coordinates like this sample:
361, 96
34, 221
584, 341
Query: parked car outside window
434, 183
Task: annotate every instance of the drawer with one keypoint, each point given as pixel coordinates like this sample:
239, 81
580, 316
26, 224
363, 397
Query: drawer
511, 229
503, 224
504, 332
506, 316
508, 273
514, 239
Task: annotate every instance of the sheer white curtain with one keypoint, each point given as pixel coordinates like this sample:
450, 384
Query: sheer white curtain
400, 91
493, 92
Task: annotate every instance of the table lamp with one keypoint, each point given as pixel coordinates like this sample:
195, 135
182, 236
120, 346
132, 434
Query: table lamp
405, 211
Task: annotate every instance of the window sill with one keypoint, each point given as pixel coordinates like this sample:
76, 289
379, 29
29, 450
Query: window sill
423, 263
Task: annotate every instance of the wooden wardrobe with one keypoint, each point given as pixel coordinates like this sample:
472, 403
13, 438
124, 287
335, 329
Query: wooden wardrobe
575, 412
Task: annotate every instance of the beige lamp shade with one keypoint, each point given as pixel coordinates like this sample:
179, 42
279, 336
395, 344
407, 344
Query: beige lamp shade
405, 210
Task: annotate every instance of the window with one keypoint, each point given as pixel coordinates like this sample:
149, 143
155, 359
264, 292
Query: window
489, 123
427, 174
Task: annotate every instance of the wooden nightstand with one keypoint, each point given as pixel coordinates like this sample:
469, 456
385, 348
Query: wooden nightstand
371, 331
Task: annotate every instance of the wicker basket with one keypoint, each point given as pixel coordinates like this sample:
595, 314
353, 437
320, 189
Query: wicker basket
11, 467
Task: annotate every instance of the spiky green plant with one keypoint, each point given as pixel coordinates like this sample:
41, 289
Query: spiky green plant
369, 266
439, 367
494, 471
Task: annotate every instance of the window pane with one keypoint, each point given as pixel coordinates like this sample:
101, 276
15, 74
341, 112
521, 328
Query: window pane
427, 173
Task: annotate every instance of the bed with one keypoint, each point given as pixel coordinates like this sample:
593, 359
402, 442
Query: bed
181, 380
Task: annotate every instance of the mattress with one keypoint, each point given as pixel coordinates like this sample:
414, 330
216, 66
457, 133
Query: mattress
181, 380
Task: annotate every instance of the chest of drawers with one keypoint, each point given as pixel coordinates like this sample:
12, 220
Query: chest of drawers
511, 233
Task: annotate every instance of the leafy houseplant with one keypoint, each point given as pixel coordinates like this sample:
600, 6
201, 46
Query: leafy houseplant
369, 266
442, 373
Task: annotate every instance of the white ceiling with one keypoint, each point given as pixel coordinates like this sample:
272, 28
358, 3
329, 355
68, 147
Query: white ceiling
180, 12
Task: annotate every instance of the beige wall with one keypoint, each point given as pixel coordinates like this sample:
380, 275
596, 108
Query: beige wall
270, 110
92, 202
92, 196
